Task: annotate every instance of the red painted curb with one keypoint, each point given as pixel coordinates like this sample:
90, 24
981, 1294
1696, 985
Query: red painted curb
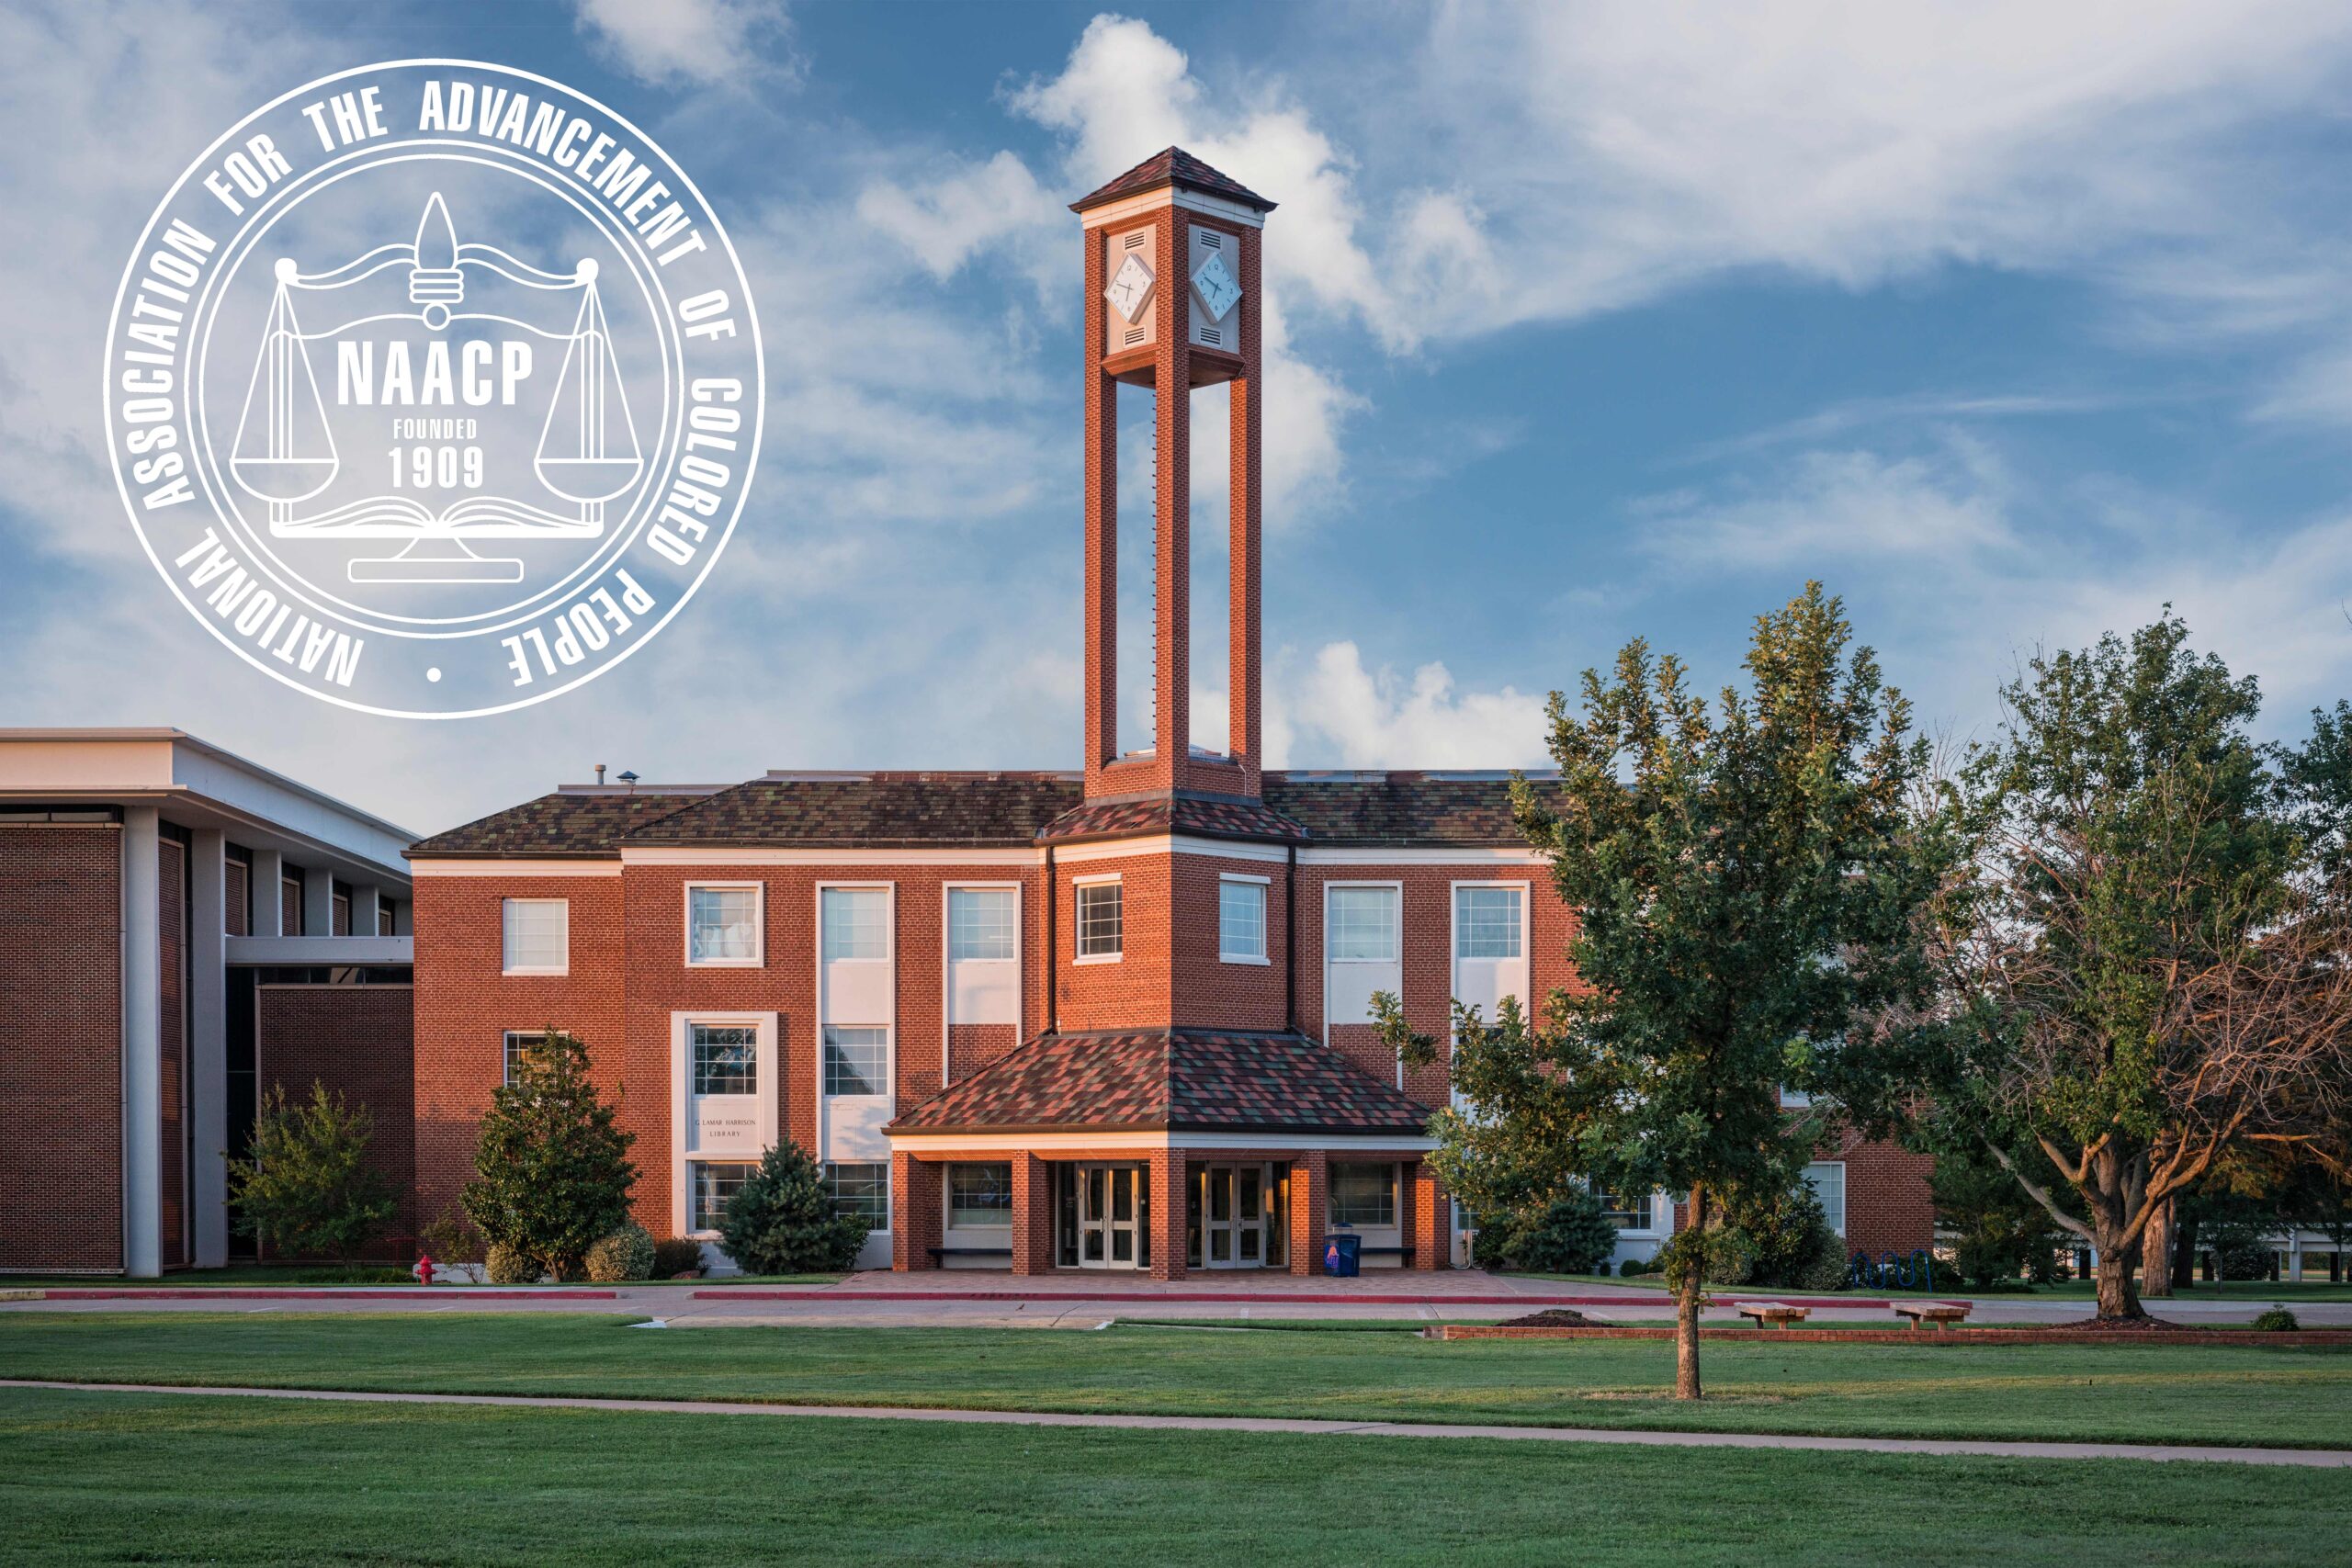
1533, 1303
324, 1293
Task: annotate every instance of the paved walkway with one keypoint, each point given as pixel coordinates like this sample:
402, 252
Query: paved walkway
2315, 1458
1083, 1298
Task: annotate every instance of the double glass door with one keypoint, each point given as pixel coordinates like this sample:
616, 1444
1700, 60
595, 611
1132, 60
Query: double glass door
1233, 1212
1108, 1202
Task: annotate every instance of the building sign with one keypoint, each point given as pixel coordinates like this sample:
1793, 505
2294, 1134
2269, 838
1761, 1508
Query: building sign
434, 388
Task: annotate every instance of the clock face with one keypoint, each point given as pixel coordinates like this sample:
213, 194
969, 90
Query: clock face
1217, 290
1130, 287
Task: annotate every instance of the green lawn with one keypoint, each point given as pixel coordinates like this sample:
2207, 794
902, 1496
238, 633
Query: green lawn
2224, 1394
111, 1478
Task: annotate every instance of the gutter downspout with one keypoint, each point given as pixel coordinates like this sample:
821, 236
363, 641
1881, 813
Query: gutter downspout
1290, 940
1053, 902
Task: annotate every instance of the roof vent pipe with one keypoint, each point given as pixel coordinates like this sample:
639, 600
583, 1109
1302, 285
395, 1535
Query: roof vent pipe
600, 774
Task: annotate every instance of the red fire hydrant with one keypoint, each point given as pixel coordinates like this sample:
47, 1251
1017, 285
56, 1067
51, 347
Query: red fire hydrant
424, 1270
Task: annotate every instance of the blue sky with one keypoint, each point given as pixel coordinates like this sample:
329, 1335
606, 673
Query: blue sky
1589, 322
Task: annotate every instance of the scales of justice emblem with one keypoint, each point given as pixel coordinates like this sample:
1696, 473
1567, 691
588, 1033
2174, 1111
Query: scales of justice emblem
286, 455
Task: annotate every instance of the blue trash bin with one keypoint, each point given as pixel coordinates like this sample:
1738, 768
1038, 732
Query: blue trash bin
1342, 1255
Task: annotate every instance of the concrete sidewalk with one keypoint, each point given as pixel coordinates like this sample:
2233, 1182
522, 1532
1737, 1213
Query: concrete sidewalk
2314, 1459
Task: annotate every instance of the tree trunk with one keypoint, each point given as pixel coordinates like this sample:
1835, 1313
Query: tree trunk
2156, 1250
2184, 1255
1686, 1314
2118, 1298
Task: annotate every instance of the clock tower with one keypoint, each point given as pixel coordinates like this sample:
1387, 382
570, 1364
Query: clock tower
1173, 303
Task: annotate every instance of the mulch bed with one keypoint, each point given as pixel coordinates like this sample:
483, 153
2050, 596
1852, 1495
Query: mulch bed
1554, 1317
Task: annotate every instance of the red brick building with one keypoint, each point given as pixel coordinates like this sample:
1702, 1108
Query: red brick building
180, 931
1115, 1017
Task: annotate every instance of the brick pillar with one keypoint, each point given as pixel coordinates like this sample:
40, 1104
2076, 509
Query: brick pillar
1433, 1238
915, 1213
1169, 1176
1033, 1215
1309, 1202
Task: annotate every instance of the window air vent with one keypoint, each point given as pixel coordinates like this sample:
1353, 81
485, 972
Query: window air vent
1213, 335
1211, 240
1135, 240
1135, 336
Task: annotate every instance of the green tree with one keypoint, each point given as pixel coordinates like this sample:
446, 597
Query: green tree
1745, 887
2003, 1234
2142, 955
306, 1187
782, 1220
552, 1170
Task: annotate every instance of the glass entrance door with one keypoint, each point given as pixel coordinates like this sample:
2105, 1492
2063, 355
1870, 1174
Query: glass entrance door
1109, 1205
1232, 1203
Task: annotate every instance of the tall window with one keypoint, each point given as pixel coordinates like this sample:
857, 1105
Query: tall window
1100, 931
857, 1060
1486, 922
1827, 1180
1242, 920
982, 922
712, 1186
1363, 1195
723, 925
979, 1195
726, 1057
538, 936
857, 922
1362, 924
520, 1043
862, 1192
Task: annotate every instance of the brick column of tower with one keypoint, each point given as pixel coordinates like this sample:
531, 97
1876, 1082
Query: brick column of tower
1242, 673
1172, 507
1101, 532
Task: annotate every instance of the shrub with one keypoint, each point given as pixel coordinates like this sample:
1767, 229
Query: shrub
509, 1265
676, 1255
626, 1254
1727, 1257
2278, 1320
450, 1237
2241, 1248
1787, 1238
1632, 1267
1563, 1234
781, 1221
553, 1173
1828, 1271
306, 1188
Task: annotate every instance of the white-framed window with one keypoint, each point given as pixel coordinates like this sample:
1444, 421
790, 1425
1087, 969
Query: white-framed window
1101, 922
1630, 1211
857, 1060
1363, 1196
856, 922
1362, 924
520, 1042
537, 936
713, 1182
1241, 919
1488, 921
980, 1196
725, 1057
1794, 1099
983, 922
723, 924
863, 1192
1828, 1179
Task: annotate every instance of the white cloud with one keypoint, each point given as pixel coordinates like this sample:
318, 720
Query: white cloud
1333, 711
1843, 507
948, 219
688, 42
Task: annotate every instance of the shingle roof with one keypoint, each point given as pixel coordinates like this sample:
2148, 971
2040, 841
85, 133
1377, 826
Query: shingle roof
913, 810
1399, 808
1208, 817
1183, 1080
883, 810
568, 825
1173, 167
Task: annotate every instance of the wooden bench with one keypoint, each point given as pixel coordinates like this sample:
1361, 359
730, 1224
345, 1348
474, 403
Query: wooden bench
1943, 1314
1774, 1315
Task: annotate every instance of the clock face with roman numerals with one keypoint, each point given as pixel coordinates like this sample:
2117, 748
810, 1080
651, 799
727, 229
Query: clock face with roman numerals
1130, 287
1216, 286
